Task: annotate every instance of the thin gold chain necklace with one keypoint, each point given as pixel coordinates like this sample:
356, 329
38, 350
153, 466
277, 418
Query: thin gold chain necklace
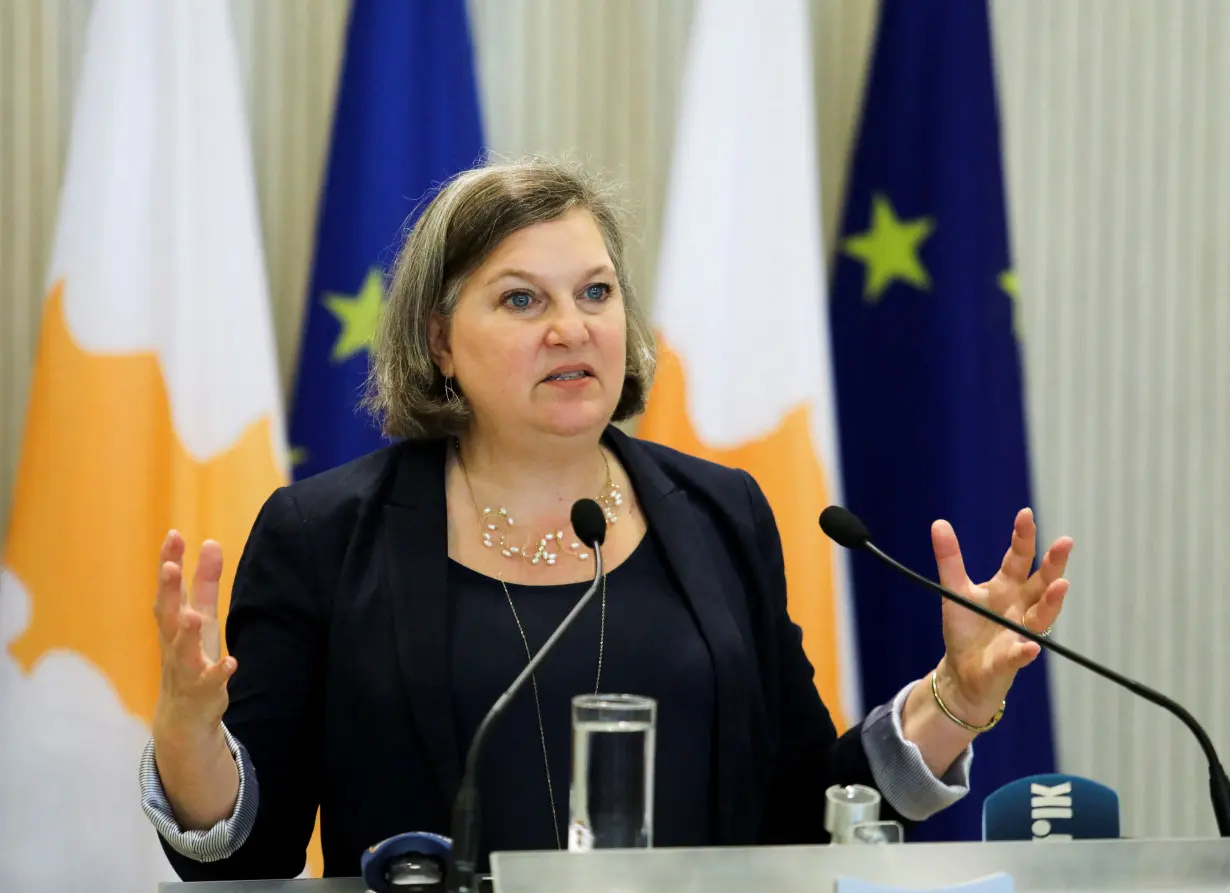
611, 517
542, 735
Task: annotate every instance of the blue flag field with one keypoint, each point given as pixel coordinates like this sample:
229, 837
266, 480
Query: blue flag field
928, 366
407, 118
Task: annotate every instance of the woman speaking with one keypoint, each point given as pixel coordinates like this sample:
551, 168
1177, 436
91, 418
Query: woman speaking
381, 607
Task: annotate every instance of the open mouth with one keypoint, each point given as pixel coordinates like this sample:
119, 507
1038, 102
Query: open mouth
571, 375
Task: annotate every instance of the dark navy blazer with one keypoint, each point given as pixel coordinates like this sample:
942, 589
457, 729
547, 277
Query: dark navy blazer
339, 619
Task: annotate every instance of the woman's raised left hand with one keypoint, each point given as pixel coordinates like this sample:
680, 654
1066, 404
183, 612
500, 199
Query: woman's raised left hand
981, 658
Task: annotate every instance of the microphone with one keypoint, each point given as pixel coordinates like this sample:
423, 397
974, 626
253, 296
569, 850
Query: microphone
1053, 806
589, 524
403, 863
845, 529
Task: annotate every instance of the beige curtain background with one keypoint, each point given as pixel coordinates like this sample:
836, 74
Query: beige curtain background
1118, 156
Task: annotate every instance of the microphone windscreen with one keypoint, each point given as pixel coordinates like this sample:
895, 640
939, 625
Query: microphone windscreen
394, 863
844, 527
1051, 807
588, 522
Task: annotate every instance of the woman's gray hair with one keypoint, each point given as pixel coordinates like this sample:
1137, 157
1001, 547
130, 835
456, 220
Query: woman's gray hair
463, 223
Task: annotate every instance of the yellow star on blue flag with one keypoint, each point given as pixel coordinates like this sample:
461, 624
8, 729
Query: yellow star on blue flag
298, 455
1007, 282
358, 315
889, 250
407, 71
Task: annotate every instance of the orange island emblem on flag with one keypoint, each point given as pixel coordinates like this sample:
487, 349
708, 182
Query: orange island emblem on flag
102, 478
744, 375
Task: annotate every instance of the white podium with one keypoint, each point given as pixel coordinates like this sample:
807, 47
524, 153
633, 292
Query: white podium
1102, 866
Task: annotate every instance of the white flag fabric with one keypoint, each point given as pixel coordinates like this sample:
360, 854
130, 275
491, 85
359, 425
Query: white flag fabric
154, 404
740, 302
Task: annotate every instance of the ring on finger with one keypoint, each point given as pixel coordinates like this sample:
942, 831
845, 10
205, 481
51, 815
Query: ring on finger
1045, 634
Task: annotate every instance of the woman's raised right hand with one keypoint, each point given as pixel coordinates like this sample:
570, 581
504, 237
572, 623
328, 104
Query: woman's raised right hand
192, 694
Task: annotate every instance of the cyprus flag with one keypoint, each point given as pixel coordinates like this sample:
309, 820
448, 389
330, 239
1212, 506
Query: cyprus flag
154, 404
744, 372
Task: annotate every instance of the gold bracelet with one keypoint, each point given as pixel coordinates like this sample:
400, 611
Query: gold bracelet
935, 693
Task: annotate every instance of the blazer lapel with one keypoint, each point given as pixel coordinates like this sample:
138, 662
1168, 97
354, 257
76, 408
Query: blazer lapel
414, 556
673, 519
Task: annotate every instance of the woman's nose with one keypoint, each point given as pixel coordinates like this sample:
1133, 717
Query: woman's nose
568, 326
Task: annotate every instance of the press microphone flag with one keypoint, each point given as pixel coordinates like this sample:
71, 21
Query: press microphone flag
415, 859
1053, 806
845, 529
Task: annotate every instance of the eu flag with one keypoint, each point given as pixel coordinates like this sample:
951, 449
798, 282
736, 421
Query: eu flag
928, 363
407, 118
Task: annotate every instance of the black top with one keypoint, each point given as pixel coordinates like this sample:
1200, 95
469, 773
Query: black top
651, 647
342, 620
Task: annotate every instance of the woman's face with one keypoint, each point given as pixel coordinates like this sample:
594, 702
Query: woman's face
538, 341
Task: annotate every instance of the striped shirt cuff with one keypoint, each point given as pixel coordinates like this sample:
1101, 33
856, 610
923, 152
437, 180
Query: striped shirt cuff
224, 838
901, 773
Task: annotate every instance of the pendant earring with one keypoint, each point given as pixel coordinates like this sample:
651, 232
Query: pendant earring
450, 395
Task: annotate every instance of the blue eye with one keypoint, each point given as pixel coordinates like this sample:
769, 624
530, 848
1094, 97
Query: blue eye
519, 300
597, 292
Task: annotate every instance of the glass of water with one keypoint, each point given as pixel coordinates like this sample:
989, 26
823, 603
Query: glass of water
611, 798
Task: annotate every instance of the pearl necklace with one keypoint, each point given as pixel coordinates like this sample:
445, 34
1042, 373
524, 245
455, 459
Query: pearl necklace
498, 523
